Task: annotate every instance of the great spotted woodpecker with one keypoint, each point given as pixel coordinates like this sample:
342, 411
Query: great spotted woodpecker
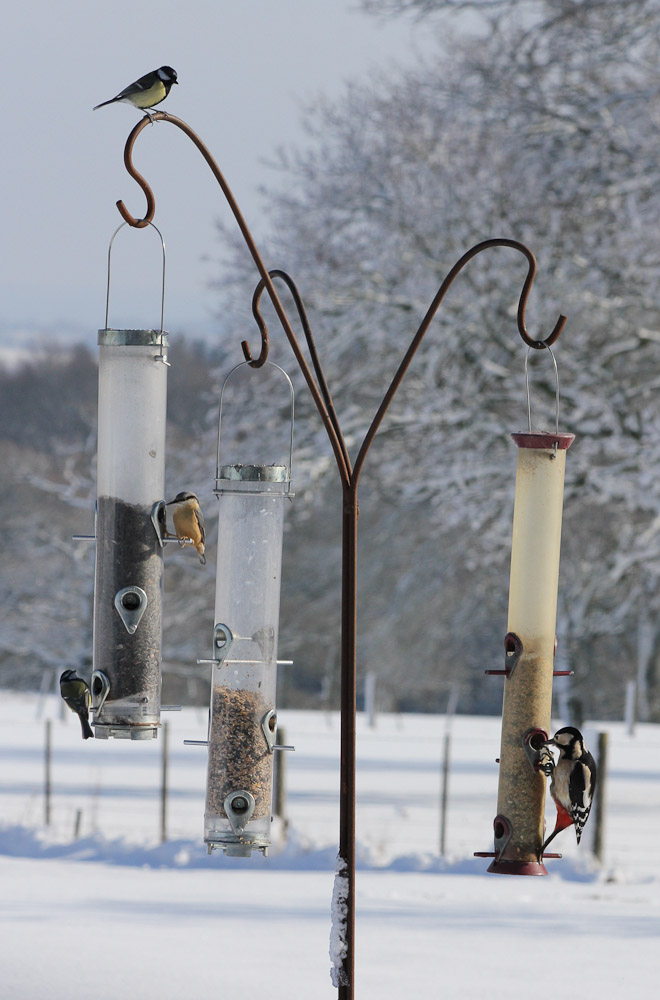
573, 782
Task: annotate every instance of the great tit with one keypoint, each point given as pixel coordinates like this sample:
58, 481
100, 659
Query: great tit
146, 92
78, 697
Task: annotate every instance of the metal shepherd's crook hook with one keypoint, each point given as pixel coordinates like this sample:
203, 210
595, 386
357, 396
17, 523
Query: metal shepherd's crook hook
349, 475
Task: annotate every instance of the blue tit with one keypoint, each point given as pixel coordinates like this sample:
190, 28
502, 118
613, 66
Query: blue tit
189, 522
146, 92
78, 697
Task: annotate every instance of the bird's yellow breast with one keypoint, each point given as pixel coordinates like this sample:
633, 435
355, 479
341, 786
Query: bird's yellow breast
147, 98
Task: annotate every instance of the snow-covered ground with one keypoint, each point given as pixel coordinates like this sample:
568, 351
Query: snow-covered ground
115, 913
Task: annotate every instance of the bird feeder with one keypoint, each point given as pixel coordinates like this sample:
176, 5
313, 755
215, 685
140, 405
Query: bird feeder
243, 720
126, 678
529, 648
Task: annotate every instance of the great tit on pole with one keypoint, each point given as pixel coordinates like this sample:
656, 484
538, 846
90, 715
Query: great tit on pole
146, 92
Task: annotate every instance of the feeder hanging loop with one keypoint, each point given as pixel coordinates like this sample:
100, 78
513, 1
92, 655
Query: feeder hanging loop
529, 401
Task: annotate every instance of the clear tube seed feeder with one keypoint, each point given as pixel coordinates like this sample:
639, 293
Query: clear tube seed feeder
126, 678
243, 720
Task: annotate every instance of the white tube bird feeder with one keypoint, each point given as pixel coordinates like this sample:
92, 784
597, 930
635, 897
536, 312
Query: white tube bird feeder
126, 678
243, 720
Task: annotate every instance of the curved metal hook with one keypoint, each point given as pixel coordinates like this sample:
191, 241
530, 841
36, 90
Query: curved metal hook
307, 330
261, 323
128, 163
524, 295
349, 476
426, 322
337, 447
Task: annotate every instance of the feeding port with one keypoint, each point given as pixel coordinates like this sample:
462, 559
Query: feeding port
243, 723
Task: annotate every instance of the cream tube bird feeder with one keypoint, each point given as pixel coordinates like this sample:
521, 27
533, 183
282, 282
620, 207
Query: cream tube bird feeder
529, 650
126, 678
243, 720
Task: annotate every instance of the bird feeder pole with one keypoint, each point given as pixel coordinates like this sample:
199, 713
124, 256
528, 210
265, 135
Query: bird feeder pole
349, 473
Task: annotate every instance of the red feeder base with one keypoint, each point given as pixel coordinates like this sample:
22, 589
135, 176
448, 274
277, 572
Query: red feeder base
517, 868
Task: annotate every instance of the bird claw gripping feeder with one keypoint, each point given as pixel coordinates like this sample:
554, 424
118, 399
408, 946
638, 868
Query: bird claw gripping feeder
530, 647
242, 718
126, 678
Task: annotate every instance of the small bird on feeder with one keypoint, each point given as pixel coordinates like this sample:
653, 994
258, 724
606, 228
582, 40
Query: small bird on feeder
573, 782
188, 522
146, 92
75, 692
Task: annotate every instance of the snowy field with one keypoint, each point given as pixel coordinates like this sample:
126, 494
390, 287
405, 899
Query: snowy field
113, 913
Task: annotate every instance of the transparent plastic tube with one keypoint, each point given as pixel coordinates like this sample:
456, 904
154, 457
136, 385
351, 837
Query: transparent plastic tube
129, 553
243, 722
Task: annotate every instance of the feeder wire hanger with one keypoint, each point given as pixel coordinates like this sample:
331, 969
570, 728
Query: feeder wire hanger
529, 400
349, 473
162, 356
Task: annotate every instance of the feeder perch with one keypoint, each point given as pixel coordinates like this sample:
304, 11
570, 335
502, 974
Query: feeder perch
531, 641
243, 720
126, 680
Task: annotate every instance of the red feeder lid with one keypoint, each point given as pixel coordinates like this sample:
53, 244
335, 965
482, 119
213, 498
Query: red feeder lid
544, 440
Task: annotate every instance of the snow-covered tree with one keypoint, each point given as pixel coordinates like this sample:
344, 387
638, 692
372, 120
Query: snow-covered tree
541, 127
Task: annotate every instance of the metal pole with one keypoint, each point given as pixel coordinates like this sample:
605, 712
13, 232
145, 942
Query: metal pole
370, 682
444, 794
346, 864
279, 779
629, 712
47, 771
164, 782
599, 804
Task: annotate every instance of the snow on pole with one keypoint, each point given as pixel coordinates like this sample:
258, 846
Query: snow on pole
530, 647
339, 924
126, 679
243, 719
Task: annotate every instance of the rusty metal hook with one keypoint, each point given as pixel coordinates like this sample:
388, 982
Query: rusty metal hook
137, 177
431, 311
336, 442
309, 337
524, 295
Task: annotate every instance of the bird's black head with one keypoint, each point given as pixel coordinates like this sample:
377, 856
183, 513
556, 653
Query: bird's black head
569, 741
167, 74
182, 497
67, 675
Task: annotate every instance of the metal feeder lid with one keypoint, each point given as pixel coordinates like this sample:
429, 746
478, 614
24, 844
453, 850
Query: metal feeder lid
133, 338
255, 473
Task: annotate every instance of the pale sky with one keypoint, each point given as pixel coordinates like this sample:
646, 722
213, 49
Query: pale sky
245, 69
